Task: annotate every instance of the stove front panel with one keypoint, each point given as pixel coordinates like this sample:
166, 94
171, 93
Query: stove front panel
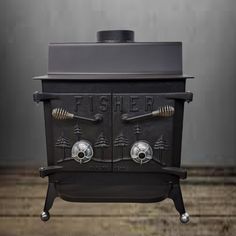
142, 142
81, 143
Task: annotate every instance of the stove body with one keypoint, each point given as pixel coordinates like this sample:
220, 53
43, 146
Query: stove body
113, 118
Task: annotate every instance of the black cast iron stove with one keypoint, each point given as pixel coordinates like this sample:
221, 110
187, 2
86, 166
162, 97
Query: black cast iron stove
113, 117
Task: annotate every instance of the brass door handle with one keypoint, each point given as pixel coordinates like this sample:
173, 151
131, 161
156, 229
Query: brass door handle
164, 111
62, 114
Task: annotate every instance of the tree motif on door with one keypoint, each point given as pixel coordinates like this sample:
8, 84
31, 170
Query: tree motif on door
137, 131
78, 131
121, 141
101, 143
161, 145
64, 144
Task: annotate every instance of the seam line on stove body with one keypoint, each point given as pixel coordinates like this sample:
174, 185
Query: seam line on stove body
112, 133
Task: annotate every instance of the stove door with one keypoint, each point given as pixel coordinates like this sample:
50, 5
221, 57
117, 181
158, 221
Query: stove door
143, 129
79, 131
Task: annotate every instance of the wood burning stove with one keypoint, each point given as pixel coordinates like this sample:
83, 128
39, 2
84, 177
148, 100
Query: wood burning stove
113, 117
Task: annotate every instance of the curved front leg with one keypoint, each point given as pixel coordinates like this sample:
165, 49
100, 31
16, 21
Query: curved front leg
176, 195
51, 195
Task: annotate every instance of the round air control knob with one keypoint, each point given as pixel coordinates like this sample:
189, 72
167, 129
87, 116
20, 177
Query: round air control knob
141, 152
82, 151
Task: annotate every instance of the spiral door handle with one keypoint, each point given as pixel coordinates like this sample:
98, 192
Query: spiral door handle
62, 114
164, 111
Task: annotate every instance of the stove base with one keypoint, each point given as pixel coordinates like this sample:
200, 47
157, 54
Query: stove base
123, 187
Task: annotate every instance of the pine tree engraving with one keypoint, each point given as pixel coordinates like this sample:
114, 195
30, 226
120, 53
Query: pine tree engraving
137, 131
78, 131
161, 145
121, 141
63, 143
101, 143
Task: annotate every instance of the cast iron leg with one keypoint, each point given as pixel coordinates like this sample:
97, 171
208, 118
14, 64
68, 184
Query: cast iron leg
176, 196
51, 195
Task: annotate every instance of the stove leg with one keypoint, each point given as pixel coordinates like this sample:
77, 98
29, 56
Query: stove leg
176, 196
51, 195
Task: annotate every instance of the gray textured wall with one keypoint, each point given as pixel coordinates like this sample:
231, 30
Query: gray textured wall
206, 27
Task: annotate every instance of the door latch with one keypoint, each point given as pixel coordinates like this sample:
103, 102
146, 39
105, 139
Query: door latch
62, 114
164, 111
